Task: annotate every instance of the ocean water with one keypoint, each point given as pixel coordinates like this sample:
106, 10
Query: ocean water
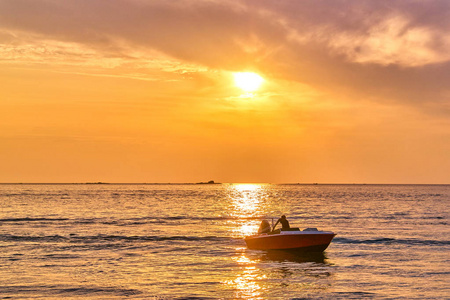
186, 241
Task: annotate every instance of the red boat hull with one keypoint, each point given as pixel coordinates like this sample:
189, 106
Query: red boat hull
303, 241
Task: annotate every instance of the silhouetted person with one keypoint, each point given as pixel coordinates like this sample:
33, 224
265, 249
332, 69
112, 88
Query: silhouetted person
264, 227
284, 223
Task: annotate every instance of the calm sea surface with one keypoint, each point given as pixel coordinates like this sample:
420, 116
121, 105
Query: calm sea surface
185, 241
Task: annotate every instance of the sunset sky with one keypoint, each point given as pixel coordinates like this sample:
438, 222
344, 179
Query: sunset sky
145, 91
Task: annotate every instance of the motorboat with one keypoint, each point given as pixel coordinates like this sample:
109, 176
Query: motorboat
307, 240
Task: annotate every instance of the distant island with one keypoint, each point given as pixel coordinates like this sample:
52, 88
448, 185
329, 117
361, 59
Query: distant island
209, 182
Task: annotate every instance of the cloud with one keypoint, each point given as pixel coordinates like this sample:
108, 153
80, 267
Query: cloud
392, 43
396, 32
393, 51
230, 33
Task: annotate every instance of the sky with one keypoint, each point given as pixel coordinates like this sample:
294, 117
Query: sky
144, 91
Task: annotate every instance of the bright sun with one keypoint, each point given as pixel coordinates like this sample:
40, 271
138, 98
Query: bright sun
248, 81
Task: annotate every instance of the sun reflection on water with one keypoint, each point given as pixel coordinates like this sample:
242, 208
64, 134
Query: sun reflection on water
246, 199
246, 284
261, 273
246, 206
247, 230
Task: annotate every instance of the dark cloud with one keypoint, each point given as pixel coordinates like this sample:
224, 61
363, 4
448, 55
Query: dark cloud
204, 32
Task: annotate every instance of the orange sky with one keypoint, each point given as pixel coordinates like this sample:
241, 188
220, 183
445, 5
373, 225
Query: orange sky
143, 91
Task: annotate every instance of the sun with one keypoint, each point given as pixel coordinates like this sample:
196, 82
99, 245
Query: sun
248, 81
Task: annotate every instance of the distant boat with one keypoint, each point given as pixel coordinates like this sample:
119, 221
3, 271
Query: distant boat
308, 240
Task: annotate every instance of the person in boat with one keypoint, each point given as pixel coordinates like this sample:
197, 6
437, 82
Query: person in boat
284, 223
264, 227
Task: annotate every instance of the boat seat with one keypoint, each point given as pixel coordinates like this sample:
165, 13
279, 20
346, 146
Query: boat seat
278, 231
291, 229
310, 229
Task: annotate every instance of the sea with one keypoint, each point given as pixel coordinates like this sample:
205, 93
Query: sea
185, 241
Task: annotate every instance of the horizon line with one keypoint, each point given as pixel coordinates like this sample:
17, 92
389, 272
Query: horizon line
206, 183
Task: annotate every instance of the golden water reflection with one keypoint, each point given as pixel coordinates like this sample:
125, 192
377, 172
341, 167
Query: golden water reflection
247, 205
246, 284
261, 273
246, 199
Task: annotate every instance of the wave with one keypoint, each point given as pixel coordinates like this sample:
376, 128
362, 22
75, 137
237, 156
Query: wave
40, 195
390, 241
68, 291
118, 238
124, 222
108, 238
218, 218
27, 219
147, 238
26, 238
